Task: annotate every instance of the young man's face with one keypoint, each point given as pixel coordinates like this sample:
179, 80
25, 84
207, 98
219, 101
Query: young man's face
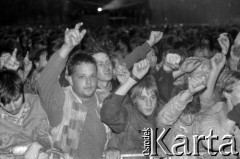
84, 80
104, 65
14, 107
146, 102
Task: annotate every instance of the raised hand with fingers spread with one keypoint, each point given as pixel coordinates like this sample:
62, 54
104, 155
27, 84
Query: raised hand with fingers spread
72, 37
155, 37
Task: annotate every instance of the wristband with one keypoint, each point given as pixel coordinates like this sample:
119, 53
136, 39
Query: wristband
134, 78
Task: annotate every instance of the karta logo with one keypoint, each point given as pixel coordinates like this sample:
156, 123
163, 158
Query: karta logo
182, 146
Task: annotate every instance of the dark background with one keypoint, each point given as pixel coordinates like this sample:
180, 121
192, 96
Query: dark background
140, 12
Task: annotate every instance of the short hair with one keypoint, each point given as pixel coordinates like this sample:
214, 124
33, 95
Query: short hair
198, 47
11, 86
77, 59
148, 83
37, 54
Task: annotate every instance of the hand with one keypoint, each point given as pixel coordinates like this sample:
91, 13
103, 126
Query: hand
33, 151
43, 155
11, 62
27, 63
73, 37
224, 42
172, 61
154, 38
122, 73
196, 84
190, 64
113, 154
141, 68
3, 58
218, 62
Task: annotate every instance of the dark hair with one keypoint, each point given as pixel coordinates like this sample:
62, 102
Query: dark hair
37, 54
135, 42
77, 59
11, 86
104, 46
194, 106
198, 47
125, 40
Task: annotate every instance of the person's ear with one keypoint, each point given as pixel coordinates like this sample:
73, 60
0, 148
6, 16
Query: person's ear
69, 78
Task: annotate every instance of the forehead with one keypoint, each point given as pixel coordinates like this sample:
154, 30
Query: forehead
147, 92
86, 68
101, 56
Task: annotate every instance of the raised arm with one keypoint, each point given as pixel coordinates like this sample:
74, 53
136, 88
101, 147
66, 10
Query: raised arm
140, 52
189, 65
218, 62
113, 113
50, 92
173, 109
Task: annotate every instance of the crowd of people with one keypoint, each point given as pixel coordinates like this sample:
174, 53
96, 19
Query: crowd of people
89, 93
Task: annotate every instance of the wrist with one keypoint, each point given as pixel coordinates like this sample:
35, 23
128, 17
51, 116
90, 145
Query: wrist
189, 93
180, 71
65, 50
37, 145
150, 43
167, 68
133, 77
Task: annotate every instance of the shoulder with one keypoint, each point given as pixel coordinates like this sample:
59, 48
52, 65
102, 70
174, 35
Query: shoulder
34, 103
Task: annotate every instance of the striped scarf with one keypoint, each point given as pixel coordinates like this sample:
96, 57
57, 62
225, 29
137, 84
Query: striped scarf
66, 135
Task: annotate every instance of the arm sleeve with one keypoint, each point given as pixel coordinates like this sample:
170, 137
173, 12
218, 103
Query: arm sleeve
165, 84
234, 114
50, 92
136, 55
114, 114
171, 111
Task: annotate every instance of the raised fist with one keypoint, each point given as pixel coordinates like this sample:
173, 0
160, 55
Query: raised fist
141, 68
155, 37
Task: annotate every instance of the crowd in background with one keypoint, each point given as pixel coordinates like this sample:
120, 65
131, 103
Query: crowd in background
88, 92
